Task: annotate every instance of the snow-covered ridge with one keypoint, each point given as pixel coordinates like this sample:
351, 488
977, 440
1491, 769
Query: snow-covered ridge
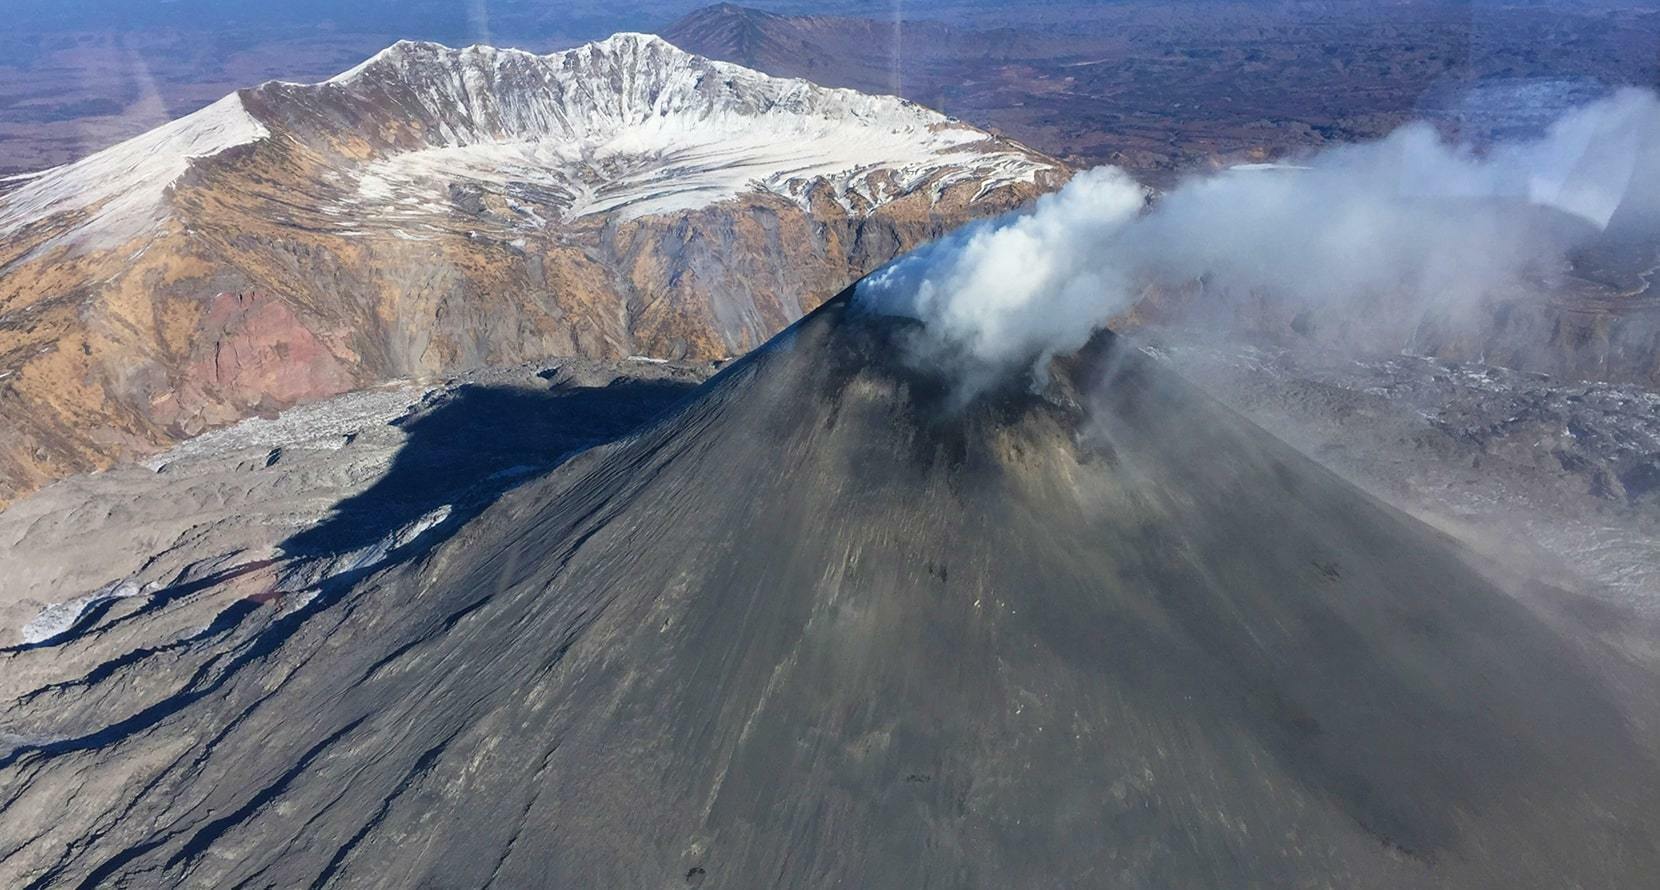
635, 126
123, 186
628, 125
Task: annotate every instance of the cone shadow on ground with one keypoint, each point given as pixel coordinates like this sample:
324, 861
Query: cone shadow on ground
476, 444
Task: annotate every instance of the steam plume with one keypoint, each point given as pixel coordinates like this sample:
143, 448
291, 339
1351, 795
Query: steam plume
1405, 223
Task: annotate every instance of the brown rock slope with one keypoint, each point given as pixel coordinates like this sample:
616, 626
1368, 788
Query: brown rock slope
436, 209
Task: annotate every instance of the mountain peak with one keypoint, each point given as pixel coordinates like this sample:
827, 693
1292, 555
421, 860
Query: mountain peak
636, 125
411, 52
727, 31
626, 105
635, 39
727, 13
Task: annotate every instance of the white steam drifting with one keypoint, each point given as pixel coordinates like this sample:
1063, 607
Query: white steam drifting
1410, 219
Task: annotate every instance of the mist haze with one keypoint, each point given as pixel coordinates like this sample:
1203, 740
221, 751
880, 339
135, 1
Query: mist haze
1410, 224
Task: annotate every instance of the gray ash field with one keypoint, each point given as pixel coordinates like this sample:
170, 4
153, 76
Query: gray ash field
814, 628
1556, 477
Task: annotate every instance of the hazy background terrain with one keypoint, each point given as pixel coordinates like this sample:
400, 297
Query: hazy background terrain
1154, 87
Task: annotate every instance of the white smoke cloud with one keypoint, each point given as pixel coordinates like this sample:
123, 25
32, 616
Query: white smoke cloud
1409, 219
1008, 290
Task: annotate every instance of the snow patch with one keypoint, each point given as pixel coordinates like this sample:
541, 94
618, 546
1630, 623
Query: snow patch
58, 618
322, 424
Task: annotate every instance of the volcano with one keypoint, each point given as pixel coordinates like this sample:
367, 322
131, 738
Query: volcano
820, 626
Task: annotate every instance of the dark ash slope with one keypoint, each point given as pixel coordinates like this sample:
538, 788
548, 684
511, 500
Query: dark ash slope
812, 631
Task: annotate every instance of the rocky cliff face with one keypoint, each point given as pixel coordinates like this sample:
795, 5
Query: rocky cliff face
435, 209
